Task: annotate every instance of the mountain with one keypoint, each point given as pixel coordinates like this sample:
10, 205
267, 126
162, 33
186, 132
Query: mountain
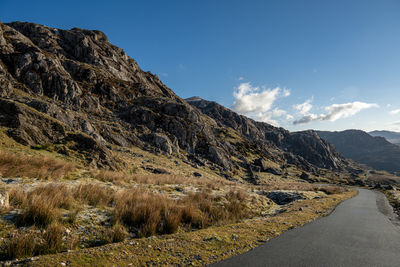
392, 137
358, 145
307, 144
74, 91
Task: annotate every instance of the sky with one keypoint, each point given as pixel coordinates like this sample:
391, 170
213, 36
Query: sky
325, 65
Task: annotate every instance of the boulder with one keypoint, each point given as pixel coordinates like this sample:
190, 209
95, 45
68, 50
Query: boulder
160, 141
261, 163
160, 171
377, 186
282, 198
255, 168
274, 171
305, 176
4, 199
197, 174
388, 187
217, 156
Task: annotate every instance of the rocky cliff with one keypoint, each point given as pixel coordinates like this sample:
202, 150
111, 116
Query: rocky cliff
76, 91
301, 148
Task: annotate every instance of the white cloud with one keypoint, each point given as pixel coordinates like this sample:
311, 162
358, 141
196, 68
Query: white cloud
241, 78
394, 112
286, 92
336, 111
306, 119
304, 108
266, 117
257, 102
393, 126
289, 117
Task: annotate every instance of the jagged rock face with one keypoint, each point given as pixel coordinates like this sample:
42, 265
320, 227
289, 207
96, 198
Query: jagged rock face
253, 130
74, 87
91, 86
28, 126
314, 149
302, 148
57, 63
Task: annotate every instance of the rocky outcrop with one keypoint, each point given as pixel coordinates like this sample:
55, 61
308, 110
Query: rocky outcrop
310, 146
162, 142
283, 197
4, 199
300, 148
29, 126
58, 80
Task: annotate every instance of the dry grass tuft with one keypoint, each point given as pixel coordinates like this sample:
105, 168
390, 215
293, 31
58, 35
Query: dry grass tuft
39, 212
21, 245
116, 234
18, 197
94, 194
53, 237
59, 195
140, 210
212, 210
157, 179
111, 176
154, 214
30, 243
12, 165
41, 205
331, 190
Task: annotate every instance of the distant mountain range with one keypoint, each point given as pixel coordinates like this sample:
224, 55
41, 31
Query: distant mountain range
392, 137
374, 151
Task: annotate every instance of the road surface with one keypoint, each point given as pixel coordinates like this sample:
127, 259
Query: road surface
362, 231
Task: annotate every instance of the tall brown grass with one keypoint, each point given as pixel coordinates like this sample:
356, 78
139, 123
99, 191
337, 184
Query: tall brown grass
53, 237
12, 165
110, 176
41, 205
212, 210
39, 212
94, 194
144, 211
30, 243
157, 179
151, 214
20, 245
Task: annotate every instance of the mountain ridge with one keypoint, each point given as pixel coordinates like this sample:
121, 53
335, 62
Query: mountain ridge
358, 145
75, 90
392, 137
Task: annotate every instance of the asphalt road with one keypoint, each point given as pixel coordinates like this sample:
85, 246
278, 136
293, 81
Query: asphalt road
360, 232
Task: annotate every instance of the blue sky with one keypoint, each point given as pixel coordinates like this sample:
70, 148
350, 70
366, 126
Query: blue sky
329, 65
